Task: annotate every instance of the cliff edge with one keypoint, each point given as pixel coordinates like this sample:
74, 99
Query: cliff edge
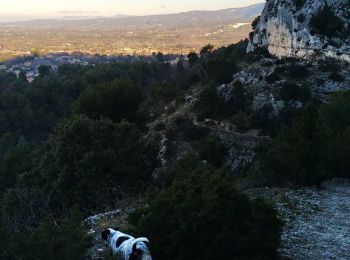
306, 29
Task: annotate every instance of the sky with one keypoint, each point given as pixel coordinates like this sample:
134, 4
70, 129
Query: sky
57, 8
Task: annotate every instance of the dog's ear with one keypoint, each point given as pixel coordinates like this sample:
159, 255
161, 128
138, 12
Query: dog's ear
116, 228
105, 234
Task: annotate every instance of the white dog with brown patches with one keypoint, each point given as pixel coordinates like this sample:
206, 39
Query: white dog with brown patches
126, 247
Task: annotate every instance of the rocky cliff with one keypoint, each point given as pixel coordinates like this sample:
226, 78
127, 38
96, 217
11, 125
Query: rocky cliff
307, 29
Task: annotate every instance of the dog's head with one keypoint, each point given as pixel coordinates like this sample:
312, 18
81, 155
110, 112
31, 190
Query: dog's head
105, 233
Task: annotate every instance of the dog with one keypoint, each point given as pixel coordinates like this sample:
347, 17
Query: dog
126, 247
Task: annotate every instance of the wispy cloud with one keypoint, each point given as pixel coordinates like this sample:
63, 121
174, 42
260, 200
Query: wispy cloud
78, 12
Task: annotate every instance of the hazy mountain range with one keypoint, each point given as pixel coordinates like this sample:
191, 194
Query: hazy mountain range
172, 20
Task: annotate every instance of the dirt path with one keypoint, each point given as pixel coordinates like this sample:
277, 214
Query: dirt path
317, 222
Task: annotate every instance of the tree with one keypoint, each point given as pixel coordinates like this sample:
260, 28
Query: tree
88, 164
255, 22
64, 240
206, 49
165, 92
23, 76
192, 58
160, 56
95, 157
116, 100
299, 154
44, 70
14, 163
335, 122
35, 52
222, 63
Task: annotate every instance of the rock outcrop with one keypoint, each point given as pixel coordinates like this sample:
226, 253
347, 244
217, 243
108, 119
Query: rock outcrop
307, 29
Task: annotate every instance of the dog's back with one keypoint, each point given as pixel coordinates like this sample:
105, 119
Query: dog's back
126, 247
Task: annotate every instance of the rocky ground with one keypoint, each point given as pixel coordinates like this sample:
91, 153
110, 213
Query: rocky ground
96, 224
317, 221
321, 227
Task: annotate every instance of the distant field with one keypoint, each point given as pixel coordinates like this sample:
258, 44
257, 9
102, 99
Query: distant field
139, 41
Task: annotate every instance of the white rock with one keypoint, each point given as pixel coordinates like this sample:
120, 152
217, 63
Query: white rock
284, 35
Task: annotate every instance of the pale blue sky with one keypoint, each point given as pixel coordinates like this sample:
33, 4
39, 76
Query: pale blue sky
42, 8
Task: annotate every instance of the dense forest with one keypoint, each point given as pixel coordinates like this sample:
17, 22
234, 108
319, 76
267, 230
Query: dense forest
81, 140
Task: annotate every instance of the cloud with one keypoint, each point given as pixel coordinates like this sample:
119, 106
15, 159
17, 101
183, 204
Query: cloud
162, 7
78, 12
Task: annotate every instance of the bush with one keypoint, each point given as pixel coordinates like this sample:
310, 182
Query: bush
262, 118
314, 148
220, 70
255, 22
191, 132
14, 163
297, 71
273, 77
336, 77
296, 157
238, 102
44, 70
211, 105
327, 23
301, 18
241, 121
195, 132
330, 66
209, 102
202, 216
292, 91
165, 92
212, 150
117, 100
299, 3
66, 240
222, 63
336, 124
88, 164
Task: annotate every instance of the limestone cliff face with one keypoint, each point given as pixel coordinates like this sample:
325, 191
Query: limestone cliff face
307, 29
